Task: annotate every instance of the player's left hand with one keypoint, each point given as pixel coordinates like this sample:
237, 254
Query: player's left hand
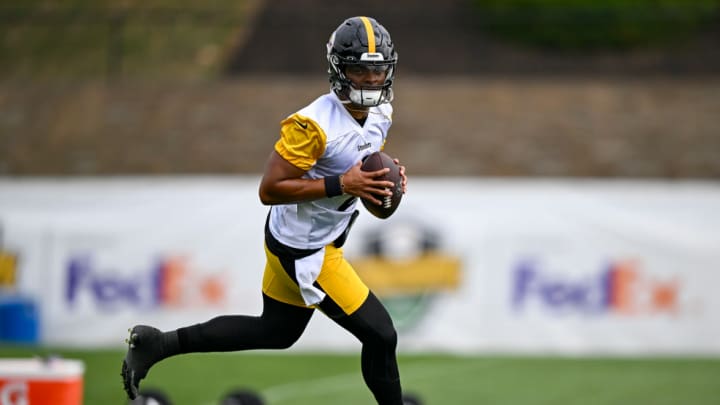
402, 175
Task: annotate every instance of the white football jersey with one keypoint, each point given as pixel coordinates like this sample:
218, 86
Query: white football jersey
324, 140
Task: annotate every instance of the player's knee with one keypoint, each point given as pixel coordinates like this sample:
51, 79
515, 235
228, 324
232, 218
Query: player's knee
390, 338
279, 337
385, 335
282, 342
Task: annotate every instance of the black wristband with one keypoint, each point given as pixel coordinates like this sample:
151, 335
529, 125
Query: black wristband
333, 186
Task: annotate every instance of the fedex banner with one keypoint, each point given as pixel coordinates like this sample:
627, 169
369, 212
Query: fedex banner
464, 265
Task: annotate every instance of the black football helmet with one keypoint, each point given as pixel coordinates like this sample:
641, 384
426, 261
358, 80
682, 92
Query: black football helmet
363, 42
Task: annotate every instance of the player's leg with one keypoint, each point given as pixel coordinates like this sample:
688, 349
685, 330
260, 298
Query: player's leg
351, 305
278, 327
372, 325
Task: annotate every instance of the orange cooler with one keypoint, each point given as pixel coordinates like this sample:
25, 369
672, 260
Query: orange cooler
41, 382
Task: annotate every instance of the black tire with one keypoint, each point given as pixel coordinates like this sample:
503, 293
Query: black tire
151, 396
242, 397
411, 399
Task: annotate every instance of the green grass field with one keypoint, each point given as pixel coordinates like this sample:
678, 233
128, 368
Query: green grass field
288, 377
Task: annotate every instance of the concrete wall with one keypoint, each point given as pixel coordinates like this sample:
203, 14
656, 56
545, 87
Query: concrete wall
466, 125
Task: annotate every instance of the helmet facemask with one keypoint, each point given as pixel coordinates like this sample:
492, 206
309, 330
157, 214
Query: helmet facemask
362, 94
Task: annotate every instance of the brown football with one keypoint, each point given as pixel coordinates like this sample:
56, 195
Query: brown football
377, 161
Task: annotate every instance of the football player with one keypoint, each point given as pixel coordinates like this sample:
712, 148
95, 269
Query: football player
312, 181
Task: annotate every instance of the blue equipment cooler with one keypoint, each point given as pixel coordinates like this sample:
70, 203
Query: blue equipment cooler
19, 320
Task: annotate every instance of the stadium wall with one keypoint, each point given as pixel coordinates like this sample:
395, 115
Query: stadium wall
466, 265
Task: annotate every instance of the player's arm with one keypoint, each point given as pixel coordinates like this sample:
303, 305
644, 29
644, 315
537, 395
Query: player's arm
301, 143
282, 183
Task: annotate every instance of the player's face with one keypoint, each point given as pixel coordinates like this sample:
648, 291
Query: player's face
367, 75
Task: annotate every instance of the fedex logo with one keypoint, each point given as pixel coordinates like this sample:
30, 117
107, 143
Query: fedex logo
619, 288
167, 283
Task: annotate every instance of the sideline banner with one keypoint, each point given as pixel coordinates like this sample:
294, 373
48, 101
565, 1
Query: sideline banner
465, 265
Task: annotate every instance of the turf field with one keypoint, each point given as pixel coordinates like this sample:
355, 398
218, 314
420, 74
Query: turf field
286, 378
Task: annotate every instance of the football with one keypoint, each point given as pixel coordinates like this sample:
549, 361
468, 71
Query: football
378, 161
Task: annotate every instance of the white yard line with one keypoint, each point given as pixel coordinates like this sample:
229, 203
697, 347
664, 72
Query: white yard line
324, 386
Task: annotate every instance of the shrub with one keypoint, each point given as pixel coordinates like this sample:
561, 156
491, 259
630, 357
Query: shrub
591, 24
